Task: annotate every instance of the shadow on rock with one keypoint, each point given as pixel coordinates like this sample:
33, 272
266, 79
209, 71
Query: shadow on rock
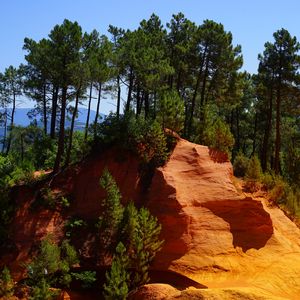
250, 225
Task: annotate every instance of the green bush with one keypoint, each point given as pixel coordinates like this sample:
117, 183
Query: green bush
240, 165
171, 111
6, 283
218, 136
280, 190
73, 224
268, 180
254, 171
87, 278
118, 277
143, 137
42, 291
253, 174
52, 264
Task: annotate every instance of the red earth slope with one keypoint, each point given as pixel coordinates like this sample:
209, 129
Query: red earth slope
214, 234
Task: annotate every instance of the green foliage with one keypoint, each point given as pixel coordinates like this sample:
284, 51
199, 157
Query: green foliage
64, 202
240, 165
73, 224
48, 199
218, 136
112, 210
42, 291
150, 142
253, 174
87, 278
117, 279
138, 234
141, 136
254, 171
52, 264
46, 263
80, 147
6, 284
6, 168
171, 111
146, 244
280, 190
129, 226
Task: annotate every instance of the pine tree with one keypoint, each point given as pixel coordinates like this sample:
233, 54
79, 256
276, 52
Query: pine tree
278, 69
146, 244
6, 284
171, 111
111, 214
117, 279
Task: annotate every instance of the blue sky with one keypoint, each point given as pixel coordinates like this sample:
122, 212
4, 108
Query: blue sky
252, 23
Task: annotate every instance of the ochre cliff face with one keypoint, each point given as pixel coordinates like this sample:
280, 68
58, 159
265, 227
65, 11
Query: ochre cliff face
218, 236
214, 234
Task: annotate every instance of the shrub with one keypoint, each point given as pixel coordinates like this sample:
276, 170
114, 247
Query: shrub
138, 233
279, 191
42, 291
218, 136
73, 224
268, 180
6, 283
117, 278
64, 202
87, 278
112, 211
253, 174
143, 137
254, 171
240, 165
52, 264
171, 111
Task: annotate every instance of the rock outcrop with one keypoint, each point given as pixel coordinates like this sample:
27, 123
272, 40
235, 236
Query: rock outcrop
217, 235
230, 242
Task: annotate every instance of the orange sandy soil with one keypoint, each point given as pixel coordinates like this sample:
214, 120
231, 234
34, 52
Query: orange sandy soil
216, 235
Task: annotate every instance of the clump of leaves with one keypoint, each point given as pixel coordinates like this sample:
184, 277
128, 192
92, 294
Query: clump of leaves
117, 278
171, 111
73, 224
6, 283
240, 165
219, 136
253, 174
138, 233
52, 264
87, 278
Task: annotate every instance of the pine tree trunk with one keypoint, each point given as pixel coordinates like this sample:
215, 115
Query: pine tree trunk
138, 101
146, 99
88, 113
129, 90
45, 109
238, 143
119, 97
54, 111
203, 89
196, 93
61, 138
265, 147
254, 135
98, 104
5, 132
72, 129
11, 123
278, 136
